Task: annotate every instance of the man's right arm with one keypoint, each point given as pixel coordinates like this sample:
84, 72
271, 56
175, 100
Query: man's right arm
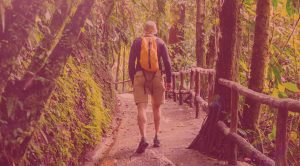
131, 62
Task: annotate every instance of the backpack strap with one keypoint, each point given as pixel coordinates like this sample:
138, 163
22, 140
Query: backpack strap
146, 81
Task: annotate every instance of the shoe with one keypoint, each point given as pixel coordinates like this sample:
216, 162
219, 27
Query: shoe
142, 147
156, 143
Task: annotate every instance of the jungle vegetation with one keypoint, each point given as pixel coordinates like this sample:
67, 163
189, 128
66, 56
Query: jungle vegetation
60, 58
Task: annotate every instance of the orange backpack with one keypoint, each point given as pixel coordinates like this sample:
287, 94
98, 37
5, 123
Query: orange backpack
148, 55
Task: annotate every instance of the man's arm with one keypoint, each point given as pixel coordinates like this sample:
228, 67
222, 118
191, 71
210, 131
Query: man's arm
167, 62
131, 62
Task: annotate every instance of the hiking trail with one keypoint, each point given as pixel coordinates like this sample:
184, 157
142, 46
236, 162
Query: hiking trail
178, 128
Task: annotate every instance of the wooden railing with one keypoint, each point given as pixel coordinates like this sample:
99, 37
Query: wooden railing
190, 90
196, 96
283, 106
123, 83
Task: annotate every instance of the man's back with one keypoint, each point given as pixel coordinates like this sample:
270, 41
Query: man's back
162, 53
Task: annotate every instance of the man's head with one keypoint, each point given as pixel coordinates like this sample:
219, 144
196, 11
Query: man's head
150, 28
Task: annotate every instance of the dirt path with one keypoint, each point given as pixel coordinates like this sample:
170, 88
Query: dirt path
178, 129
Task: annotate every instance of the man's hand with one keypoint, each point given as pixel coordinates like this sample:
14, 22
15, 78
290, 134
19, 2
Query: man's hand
168, 86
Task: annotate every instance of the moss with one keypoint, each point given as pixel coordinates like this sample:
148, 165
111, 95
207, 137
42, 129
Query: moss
73, 121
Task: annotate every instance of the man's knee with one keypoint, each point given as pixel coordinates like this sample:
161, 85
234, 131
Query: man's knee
142, 112
141, 119
156, 107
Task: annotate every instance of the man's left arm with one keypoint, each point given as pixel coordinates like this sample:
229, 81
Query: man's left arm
167, 64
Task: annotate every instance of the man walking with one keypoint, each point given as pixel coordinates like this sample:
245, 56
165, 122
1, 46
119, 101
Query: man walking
145, 70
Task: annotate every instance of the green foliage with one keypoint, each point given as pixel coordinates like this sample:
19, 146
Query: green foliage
291, 87
290, 7
275, 3
74, 120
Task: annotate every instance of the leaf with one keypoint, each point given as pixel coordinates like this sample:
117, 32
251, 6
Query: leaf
289, 7
293, 136
275, 3
281, 87
282, 95
82, 30
291, 87
89, 22
47, 15
244, 66
277, 74
272, 135
275, 93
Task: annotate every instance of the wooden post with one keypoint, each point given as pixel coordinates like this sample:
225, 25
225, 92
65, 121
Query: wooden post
192, 84
124, 56
232, 160
180, 89
210, 86
174, 87
281, 137
197, 92
118, 70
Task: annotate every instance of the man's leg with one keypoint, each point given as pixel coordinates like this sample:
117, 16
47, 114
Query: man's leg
156, 115
158, 98
142, 118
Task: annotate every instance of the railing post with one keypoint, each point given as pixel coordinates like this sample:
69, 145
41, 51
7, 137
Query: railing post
197, 92
210, 86
174, 87
192, 84
232, 160
180, 89
281, 137
116, 86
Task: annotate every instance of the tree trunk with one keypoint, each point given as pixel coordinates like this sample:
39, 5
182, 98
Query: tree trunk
161, 19
20, 20
118, 69
59, 21
212, 52
23, 105
259, 62
176, 32
210, 140
213, 44
200, 34
124, 57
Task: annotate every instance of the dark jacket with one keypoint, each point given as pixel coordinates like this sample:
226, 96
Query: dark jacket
162, 53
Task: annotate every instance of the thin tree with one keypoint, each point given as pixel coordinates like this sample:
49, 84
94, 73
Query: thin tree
161, 18
19, 21
209, 140
259, 62
200, 34
23, 106
176, 32
124, 64
60, 19
118, 68
213, 46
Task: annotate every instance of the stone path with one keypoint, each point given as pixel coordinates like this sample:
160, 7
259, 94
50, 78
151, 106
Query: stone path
178, 129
